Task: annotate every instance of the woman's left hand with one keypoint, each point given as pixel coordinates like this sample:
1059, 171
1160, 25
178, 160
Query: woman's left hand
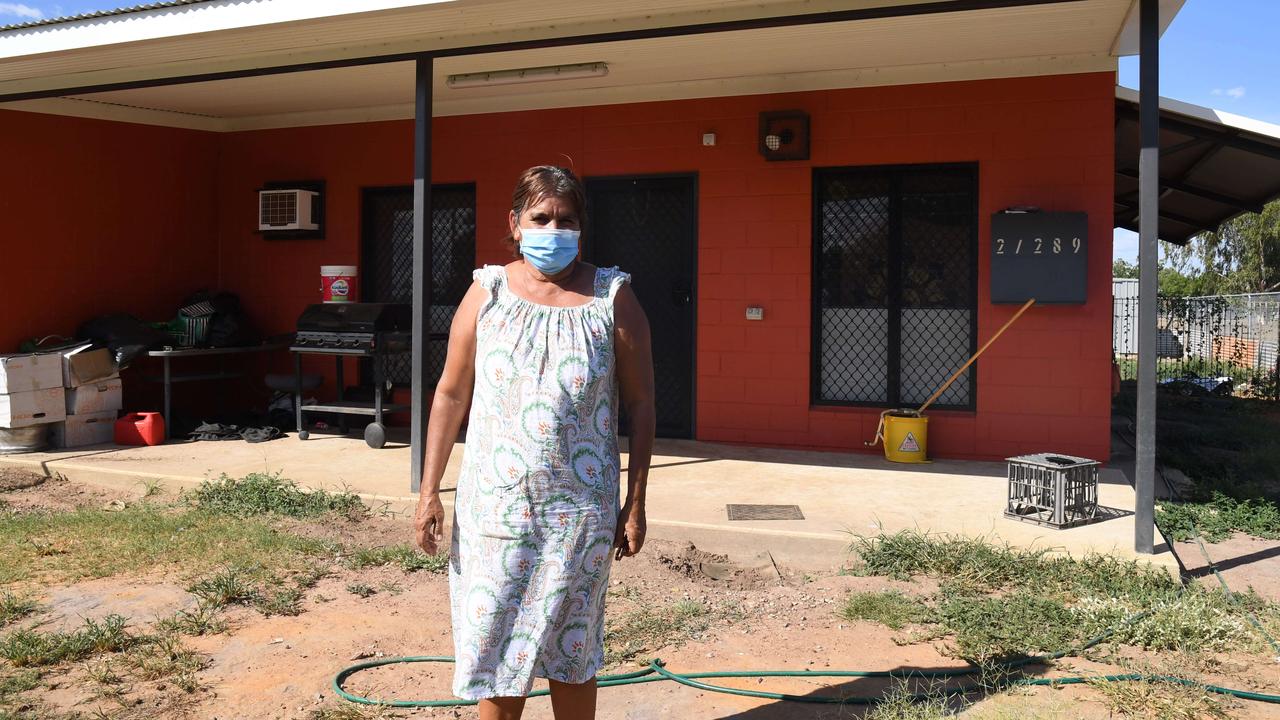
629, 537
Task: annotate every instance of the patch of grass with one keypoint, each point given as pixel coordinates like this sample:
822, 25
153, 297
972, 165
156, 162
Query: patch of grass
165, 657
1002, 628
901, 702
30, 648
648, 628
12, 683
1164, 700
231, 586
203, 620
15, 607
285, 601
997, 602
1219, 518
888, 607
406, 557
90, 542
361, 590
975, 564
268, 493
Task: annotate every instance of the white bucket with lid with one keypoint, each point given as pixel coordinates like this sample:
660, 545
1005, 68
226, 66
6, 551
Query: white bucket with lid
338, 283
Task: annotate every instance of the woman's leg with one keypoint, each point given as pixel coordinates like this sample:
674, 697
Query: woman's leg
508, 708
574, 702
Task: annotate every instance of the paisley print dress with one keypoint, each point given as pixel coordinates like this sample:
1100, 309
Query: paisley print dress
537, 499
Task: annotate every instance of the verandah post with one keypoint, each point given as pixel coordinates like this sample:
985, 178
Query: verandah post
422, 244
1148, 287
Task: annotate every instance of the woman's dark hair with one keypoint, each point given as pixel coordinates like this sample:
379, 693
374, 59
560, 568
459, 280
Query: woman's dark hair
544, 181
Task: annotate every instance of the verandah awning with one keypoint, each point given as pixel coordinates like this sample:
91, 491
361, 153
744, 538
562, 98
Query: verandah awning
1213, 166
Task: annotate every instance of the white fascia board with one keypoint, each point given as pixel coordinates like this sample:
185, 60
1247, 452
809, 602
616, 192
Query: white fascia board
1126, 42
1207, 114
448, 104
160, 23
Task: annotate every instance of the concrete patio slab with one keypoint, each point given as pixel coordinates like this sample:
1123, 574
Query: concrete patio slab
840, 494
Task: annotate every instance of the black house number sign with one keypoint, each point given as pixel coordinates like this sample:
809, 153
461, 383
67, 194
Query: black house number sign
1039, 255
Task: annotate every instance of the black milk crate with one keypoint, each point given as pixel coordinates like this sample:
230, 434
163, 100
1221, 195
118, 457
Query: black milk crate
1052, 489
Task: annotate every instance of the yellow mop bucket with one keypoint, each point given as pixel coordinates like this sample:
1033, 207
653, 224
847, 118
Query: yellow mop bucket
905, 434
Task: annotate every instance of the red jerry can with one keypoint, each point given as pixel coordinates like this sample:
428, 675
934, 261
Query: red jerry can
140, 428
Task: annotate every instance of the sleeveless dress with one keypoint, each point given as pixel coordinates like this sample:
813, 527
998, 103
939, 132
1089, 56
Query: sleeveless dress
537, 497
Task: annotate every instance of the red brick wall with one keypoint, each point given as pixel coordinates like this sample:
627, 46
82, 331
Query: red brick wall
101, 217
1037, 141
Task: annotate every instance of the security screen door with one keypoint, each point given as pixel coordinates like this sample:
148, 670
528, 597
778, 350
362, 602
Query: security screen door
647, 226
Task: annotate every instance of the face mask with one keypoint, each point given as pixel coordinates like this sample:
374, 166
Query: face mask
550, 250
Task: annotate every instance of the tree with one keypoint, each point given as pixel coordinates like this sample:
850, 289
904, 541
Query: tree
1121, 268
1243, 256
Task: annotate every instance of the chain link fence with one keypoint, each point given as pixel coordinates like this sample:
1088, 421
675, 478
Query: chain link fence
1221, 336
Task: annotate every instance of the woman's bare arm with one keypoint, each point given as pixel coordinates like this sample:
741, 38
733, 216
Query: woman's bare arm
635, 383
448, 408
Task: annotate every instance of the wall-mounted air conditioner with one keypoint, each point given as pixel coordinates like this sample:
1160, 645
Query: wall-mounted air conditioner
288, 209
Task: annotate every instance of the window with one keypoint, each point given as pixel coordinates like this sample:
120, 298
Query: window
387, 273
895, 284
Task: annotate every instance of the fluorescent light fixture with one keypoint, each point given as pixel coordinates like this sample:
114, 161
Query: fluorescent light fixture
528, 75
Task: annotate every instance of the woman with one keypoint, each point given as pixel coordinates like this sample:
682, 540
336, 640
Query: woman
540, 348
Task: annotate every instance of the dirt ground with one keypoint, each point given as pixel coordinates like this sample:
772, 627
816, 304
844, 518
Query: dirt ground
764, 617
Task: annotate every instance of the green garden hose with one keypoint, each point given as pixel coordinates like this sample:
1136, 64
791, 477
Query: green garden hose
658, 672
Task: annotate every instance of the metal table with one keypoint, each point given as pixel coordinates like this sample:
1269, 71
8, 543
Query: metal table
168, 378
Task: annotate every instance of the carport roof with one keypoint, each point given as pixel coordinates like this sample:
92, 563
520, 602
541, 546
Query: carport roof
1213, 166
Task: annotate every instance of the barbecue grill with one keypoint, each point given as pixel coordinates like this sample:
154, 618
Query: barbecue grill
371, 330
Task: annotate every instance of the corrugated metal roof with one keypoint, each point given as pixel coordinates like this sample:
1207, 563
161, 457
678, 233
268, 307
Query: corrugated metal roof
101, 13
1213, 166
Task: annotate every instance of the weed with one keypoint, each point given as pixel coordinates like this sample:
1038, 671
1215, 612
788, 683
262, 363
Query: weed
230, 586
889, 607
408, 558
29, 648
348, 712
649, 628
1217, 519
999, 628
286, 601
361, 589
15, 607
1194, 622
102, 673
18, 682
164, 657
900, 702
203, 620
151, 487
1165, 700
264, 493
391, 588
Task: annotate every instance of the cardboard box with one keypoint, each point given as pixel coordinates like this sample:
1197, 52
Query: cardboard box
96, 397
88, 429
81, 366
33, 408
24, 373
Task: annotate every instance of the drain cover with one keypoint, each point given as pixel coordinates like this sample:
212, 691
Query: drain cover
764, 512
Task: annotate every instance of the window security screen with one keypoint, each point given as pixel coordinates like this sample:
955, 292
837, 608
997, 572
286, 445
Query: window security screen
894, 284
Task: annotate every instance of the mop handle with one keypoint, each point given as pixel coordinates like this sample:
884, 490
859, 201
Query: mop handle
937, 393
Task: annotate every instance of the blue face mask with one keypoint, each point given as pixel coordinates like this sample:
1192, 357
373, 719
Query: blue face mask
550, 250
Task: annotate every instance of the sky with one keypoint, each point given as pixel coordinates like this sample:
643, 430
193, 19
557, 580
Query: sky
1217, 53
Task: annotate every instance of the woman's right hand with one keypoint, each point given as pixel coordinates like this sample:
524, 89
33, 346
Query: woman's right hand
428, 523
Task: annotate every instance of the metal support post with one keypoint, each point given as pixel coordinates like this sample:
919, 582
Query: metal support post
422, 244
1148, 287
